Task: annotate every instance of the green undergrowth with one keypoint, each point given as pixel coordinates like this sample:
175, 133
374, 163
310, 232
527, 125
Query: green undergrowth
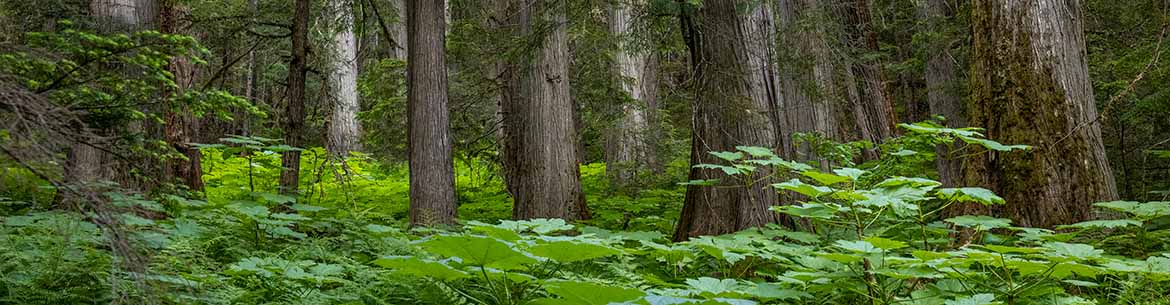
363, 188
865, 234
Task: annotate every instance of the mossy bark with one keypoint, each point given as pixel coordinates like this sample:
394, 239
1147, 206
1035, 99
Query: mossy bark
1030, 86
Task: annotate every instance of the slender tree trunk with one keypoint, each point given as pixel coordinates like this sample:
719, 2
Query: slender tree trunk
177, 129
630, 145
398, 43
941, 87
500, 74
734, 99
344, 129
432, 172
294, 123
1030, 85
540, 140
253, 76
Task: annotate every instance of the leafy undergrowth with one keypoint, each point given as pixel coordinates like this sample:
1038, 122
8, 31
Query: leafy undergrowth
248, 168
865, 235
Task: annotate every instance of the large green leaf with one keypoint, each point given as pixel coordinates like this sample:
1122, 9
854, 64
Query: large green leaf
493, 231
798, 186
729, 156
584, 293
729, 170
712, 286
859, 246
1077, 251
1151, 210
538, 226
756, 151
894, 182
423, 268
980, 222
886, 244
971, 194
570, 251
477, 251
993, 145
807, 210
1120, 206
900, 198
1104, 224
825, 178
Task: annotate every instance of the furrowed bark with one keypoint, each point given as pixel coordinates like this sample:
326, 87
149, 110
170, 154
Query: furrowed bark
630, 146
735, 95
344, 129
177, 131
432, 172
540, 139
811, 95
294, 123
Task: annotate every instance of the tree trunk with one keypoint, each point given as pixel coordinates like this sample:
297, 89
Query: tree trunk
398, 43
941, 82
177, 132
630, 145
735, 94
294, 123
252, 79
1030, 85
810, 94
344, 129
876, 107
432, 172
86, 163
124, 13
539, 137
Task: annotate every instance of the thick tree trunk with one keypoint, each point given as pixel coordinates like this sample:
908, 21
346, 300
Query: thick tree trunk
811, 98
294, 123
344, 129
630, 146
1030, 86
125, 13
86, 163
432, 172
735, 94
540, 140
941, 86
177, 130
875, 108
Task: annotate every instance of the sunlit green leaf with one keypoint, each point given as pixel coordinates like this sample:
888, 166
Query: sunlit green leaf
477, 251
981, 223
423, 268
